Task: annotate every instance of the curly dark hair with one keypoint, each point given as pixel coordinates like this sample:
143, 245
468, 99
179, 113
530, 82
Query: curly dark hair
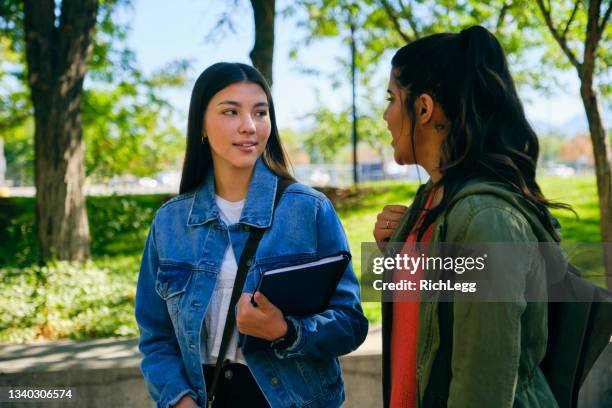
489, 136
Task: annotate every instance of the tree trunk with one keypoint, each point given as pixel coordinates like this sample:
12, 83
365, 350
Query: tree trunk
262, 53
603, 171
601, 146
57, 52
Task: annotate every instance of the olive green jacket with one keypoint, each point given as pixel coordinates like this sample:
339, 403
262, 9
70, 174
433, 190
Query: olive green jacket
496, 347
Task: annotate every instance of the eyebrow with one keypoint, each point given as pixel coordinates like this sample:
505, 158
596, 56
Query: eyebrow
236, 103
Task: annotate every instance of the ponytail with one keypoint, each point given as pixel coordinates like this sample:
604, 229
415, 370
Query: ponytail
489, 136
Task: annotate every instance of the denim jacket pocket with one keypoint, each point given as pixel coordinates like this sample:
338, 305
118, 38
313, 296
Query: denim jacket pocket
171, 283
329, 371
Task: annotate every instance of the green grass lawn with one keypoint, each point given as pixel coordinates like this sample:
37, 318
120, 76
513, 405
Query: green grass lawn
96, 300
580, 192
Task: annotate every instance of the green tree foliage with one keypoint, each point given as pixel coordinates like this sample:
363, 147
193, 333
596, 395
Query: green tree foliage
385, 25
569, 22
14, 103
330, 133
16, 127
293, 143
127, 118
374, 132
129, 127
382, 26
19, 153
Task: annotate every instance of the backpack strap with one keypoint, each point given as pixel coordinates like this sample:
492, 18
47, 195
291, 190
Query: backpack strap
245, 262
437, 391
438, 388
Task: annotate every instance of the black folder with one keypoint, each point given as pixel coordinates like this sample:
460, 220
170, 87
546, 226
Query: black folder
300, 290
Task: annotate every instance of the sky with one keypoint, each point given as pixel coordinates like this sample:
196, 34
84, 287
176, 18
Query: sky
162, 31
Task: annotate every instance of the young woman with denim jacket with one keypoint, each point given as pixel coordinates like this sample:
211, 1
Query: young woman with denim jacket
233, 162
454, 110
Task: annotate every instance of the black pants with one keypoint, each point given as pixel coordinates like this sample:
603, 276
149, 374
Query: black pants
236, 387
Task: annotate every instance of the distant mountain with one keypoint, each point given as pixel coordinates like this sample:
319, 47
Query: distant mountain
575, 124
541, 127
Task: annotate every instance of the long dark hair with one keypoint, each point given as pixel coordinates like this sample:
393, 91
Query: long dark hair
198, 158
489, 135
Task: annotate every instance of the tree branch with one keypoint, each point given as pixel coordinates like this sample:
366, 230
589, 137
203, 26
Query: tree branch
604, 20
561, 40
502, 15
407, 14
393, 16
567, 25
590, 44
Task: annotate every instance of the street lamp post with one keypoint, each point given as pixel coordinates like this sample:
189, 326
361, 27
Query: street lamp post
354, 106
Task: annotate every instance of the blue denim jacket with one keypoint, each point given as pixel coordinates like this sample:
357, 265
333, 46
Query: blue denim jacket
180, 264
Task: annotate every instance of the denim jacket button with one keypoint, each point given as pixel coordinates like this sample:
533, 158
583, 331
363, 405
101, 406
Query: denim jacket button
228, 374
274, 381
249, 262
247, 228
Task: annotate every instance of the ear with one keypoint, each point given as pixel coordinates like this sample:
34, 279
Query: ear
203, 134
424, 108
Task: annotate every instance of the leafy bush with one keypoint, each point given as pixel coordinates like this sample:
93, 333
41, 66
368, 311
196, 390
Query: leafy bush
118, 226
64, 300
18, 245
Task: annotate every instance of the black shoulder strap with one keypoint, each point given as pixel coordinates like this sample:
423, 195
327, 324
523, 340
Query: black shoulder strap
437, 390
243, 267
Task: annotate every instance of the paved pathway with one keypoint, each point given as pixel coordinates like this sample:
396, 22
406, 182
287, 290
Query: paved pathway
103, 353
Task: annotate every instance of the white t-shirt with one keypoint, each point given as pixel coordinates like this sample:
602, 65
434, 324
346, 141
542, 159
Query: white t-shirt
217, 310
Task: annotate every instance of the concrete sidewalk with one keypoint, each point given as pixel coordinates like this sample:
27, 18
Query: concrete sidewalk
109, 353
106, 372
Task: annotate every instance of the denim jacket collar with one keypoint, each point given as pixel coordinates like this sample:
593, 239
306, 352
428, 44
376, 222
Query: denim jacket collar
259, 203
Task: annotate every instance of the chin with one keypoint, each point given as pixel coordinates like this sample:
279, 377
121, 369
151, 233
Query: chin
404, 161
244, 162
398, 159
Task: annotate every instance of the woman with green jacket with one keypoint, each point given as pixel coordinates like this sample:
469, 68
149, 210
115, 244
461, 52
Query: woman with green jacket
454, 110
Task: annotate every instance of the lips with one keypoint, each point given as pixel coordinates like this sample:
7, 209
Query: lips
246, 146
